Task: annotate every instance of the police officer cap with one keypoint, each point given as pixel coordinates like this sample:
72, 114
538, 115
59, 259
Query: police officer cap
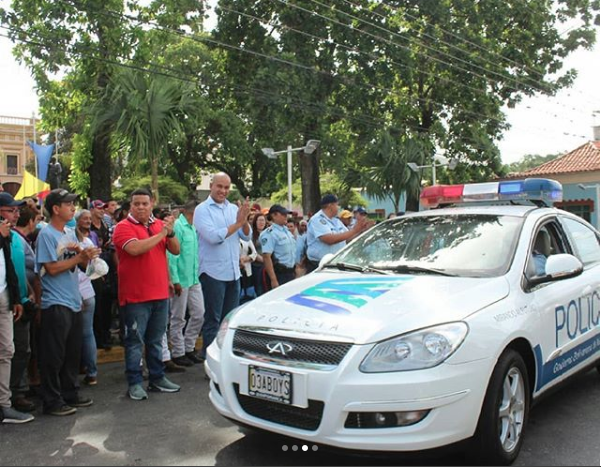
328, 199
278, 208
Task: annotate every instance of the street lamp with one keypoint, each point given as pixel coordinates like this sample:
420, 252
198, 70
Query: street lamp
437, 161
308, 148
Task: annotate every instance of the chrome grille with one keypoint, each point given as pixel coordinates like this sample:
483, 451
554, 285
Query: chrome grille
304, 351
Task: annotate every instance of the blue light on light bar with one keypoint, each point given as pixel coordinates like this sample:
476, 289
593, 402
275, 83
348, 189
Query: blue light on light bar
511, 188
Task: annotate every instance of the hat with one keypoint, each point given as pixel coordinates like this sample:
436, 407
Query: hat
265, 211
6, 199
328, 199
58, 196
256, 207
361, 210
278, 208
345, 214
98, 204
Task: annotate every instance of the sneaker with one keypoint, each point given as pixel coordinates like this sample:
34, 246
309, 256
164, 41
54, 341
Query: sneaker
163, 385
79, 402
194, 357
61, 411
182, 361
22, 404
137, 393
90, 380
171, 367
14, 417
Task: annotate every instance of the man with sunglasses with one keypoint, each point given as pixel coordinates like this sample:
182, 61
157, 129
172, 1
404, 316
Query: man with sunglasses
58, 255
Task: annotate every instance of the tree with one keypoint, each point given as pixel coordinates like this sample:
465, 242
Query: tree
146, 111
529, 161
383, 169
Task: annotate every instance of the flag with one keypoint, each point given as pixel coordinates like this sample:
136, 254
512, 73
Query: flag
43, 155
31, 186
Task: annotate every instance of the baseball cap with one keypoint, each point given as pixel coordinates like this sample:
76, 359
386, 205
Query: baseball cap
98, 204
328, 199
345, 214
58, 196
278, 208
361, 210
6, 199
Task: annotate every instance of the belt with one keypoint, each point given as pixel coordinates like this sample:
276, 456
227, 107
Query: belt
282, 268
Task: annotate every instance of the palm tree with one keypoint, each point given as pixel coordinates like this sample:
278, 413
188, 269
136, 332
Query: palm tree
386, 174
147, 111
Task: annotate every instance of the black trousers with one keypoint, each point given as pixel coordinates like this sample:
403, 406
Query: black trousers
284, 277
18, 370
60, 355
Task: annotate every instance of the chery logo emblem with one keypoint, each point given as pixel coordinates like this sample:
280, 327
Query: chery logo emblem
279, 347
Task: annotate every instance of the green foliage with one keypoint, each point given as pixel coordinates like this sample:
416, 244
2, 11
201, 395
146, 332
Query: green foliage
328, 183
529, 161
81, 160
172, 191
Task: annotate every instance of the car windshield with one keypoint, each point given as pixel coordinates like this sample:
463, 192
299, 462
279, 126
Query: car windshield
456, 245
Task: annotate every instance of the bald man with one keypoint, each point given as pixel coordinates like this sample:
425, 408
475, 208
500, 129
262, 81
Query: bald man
220, 226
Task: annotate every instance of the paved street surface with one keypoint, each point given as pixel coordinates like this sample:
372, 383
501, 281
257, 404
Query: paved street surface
184, 429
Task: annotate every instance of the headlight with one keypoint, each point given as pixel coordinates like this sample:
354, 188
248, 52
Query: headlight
421, 349
225, 324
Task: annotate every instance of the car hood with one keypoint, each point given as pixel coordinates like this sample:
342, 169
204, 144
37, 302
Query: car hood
363, 308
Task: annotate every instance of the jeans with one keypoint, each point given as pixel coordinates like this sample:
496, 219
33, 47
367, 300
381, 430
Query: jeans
7, 348
183, 342
221, 297
60, 355
257, 269
88, 351
145, 326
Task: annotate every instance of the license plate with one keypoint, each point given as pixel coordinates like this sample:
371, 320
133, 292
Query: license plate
273, 385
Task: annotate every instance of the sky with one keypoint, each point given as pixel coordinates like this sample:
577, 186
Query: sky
539, 125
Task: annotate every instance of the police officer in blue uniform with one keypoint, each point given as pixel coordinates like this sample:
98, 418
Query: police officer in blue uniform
279, 248
327, 234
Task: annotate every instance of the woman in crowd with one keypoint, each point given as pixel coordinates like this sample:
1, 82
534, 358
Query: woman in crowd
258, 225
88, 353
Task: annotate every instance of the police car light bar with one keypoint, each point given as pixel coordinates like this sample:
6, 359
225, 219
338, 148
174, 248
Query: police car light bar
537, 190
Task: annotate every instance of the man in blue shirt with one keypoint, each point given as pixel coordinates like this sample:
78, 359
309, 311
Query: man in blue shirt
279, 248
58, 255
327, 234
220, 226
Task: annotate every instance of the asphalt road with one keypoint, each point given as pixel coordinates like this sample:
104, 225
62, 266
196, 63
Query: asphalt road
184, 429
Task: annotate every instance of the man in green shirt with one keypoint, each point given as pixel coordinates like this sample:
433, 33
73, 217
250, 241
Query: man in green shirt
183, 271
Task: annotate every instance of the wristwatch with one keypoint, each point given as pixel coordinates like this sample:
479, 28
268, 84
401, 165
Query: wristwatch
171, 235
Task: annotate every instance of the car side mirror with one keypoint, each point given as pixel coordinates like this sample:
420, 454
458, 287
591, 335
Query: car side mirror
326, 259
559, 267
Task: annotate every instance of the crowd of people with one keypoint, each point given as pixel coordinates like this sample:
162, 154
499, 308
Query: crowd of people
72, 280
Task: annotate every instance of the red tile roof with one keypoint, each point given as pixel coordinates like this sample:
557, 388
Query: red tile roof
582, 159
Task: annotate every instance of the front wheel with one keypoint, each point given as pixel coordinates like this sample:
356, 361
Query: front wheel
504, 415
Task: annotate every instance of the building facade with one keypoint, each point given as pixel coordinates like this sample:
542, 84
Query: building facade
578, 172
15, 151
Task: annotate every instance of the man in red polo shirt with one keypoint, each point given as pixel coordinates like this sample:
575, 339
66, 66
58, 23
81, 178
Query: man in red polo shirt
142, 243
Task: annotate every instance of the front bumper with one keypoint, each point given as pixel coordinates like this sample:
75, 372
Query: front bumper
452, 393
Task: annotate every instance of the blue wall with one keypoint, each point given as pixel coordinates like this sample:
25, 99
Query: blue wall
385, 204
572, 192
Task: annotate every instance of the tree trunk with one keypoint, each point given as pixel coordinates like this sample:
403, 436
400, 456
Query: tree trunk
100, 170
309, 165
154, 164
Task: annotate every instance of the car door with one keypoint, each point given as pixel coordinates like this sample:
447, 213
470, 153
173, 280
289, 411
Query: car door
559, 304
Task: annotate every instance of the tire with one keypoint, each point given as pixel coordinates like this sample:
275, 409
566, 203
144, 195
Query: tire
504, 416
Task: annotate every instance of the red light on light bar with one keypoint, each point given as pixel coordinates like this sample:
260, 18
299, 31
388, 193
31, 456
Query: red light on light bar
433, 196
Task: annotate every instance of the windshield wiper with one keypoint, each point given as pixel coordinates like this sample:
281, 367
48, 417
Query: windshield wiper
354, 267
418, 269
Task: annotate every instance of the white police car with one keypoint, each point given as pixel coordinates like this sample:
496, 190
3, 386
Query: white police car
429, 329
